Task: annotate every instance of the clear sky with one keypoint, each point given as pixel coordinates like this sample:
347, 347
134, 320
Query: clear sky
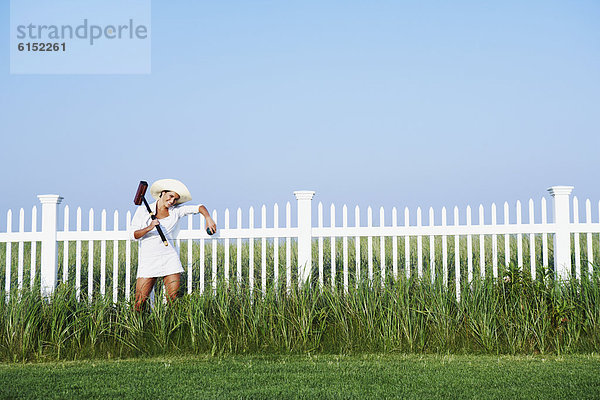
394, 103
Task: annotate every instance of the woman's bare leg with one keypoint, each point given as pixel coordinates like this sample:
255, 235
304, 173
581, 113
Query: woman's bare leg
143, 287
172, 283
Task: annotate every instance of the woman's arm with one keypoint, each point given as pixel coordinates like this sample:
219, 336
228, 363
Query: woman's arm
183, 210
209, 221
142, 232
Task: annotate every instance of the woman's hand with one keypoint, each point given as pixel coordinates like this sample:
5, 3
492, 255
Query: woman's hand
209, 221
211, 224
142, 232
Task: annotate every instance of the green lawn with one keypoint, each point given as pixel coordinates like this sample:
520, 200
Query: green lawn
322, 376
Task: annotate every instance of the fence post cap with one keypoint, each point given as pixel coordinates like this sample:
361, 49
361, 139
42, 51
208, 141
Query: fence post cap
304, 194
50, 198
558, 190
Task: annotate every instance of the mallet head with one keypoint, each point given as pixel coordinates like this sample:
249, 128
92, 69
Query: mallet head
141, 191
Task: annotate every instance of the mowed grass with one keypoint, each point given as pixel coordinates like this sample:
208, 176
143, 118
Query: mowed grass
306, 376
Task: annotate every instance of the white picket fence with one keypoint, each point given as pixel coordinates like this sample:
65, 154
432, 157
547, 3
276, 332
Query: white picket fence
429, 258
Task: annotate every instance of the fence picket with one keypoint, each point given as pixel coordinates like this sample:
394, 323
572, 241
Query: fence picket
481, 244
576, 239
395, 244
115, 258
444, 250
419, 246
128, 258
275, 249
407, 244
263, 250
456, 256
494, 245
8, 254
431, 247
532, 241
91, 256
190, 258
214, 256
78, 257
370, 246
21, 250
239, 248
506, 237
469, 248
382, 247
226, 247
345, 246
65, 276
590, 252
332, 245
544, 235
320, 243
288, 248
357, 244
33, 247
202, 256
251, 251
103, 256
519, 239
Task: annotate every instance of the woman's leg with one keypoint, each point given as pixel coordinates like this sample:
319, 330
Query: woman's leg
172, 285
143, 287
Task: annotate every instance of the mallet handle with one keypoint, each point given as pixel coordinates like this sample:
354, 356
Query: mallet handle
160, 232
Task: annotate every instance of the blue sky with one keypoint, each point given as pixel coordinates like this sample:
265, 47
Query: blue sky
373, 103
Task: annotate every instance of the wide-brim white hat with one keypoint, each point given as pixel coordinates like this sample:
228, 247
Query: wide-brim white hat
172, 185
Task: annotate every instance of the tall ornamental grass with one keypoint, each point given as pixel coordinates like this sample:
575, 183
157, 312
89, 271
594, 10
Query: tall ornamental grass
510, 315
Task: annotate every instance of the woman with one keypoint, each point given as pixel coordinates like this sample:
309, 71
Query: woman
154, 258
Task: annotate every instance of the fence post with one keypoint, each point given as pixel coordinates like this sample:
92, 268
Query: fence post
562, 234
304, 199
49, 261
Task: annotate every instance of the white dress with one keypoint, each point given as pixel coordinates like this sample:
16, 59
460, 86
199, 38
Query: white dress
154, 258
